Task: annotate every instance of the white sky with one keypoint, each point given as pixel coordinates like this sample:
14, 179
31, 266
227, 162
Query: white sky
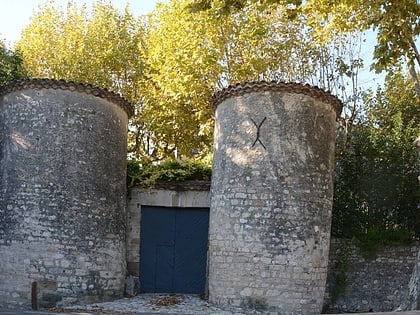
15, 14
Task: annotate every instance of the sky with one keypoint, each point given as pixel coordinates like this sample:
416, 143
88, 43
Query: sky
15, 15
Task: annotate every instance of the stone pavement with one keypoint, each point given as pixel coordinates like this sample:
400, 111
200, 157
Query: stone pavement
152, 304
159, 304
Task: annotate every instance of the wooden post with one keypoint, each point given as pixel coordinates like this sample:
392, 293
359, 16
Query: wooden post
34, 296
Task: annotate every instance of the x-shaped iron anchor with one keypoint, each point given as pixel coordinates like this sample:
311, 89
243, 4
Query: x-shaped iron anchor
258, 126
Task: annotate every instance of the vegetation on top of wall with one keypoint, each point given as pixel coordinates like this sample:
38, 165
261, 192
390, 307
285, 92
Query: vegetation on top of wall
375, 239
376, 191
146, 174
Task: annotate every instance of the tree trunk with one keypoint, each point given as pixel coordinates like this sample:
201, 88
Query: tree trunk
412, 68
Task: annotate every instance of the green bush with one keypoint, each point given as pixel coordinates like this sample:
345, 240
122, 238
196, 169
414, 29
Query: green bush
376, 193
146, 173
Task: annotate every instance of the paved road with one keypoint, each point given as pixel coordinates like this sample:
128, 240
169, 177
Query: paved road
20, 312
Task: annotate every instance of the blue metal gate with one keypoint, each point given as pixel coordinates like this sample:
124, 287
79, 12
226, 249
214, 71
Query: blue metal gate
173, 249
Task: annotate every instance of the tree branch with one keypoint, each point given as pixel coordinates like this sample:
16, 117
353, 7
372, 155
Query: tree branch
416, 52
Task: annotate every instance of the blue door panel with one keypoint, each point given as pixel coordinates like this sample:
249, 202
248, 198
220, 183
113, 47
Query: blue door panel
173, 249
156, 235
164, 265
191, 251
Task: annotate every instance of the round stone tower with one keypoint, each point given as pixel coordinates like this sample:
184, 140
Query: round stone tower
271, 196
62, 194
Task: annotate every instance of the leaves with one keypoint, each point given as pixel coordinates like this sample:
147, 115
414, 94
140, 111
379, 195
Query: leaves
146, 173
171, 62
10, 65
99, 48
376, 185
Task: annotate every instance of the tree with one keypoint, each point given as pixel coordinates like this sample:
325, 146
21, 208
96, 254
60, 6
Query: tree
397, 24
170, 64
376, 189
180, 71
189, 55
10, 65
99, 48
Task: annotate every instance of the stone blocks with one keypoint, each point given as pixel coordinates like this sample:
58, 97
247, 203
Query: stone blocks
271, 197
62, 194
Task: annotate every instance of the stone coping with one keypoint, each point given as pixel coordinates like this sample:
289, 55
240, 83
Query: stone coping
38, 84
275, 86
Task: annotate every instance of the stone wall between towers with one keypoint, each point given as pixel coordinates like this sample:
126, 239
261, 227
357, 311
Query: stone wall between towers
194, 194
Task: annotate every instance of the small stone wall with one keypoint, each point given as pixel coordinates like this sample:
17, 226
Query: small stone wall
193, 194
377, 284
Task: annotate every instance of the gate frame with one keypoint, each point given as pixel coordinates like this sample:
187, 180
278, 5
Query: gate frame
189, 194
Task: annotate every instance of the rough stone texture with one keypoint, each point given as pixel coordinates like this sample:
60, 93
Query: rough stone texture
132, 286
271, 197
378, 284
62, 194
193, 194
412, 300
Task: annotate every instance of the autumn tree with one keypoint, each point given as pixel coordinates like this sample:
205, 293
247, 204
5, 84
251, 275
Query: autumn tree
171, 63
181, 67
397, 24
98, 47
191, 54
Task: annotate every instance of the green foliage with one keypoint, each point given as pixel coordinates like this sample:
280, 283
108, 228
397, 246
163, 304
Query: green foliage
10, 65
100, 47
376, 238
146, 174
170, 62
376, 189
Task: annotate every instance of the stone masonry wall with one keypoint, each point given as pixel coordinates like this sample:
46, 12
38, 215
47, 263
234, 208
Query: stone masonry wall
379, 283
412, 301
271, 197
63, 194
194, 194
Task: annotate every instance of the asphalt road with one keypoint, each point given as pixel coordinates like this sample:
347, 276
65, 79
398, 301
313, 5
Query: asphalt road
20, 312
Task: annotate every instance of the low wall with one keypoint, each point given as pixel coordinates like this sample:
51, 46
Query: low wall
187, 194
359, 284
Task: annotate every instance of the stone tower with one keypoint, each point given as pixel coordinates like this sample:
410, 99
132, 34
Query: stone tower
271, 197
62, 194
